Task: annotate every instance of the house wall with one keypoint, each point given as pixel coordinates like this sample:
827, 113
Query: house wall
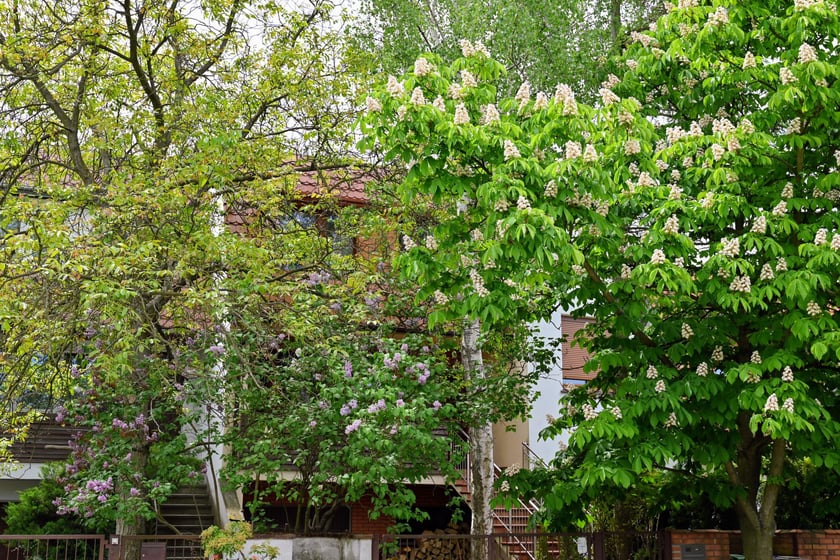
805, 545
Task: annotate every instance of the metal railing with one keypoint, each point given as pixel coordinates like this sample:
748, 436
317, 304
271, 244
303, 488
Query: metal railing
52, 547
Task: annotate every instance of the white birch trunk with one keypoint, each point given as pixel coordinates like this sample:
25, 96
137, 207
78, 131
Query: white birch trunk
481, 449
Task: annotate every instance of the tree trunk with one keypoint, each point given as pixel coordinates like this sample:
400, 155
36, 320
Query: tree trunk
481, 449
127, 524
758, 541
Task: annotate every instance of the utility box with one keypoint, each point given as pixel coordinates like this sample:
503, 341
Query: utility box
693, 551
153, 551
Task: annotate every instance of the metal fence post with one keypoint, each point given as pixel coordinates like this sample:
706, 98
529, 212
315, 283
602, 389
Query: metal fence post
374, 547
599, 551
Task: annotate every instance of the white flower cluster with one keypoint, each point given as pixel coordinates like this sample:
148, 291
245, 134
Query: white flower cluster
476, 235
395, 88
788, 405
501, 205
563, 95
780, 209
672, 225
813, 308
786, 76
440, 298
439, 104
660, 386
795, 126
781, 265
523, 203
686, 331
645, 40
478, 284
800, 5
759, 225
717, 354
511, 151
373, 105
431, 243
454, 91
631, 64
461, 115
807, 53
652, 372
787, 375
722, 126
469, 49
766, 272
675, 193
541, 102
671, 422
821, 238
747, 126
588, 412
657, 257
401, 111
755, 357
708, 200
679, 262
626, 272
625, 118
787, 191
685, 4
417, 97
489, 114
632, 147
608, 97
616, 411
741, 284
749, 60
702, 369
550, 189
835, 242
408, 243
719, 16
467, 79
523, 94
717, 151
731, 247
423, 67
772, 403
673, 134
573, 149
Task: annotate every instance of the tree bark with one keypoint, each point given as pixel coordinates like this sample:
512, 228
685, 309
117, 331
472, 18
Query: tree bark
481, 448
128, 525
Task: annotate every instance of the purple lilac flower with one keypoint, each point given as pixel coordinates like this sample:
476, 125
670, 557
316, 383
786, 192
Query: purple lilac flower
436, 405
348, 369
423, 378
353, 427
400, 402
404, 347
134, 492
117, 423
313, 423
216, 349
345, 410
74, 371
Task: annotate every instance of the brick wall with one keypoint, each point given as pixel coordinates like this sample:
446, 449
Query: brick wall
807, 545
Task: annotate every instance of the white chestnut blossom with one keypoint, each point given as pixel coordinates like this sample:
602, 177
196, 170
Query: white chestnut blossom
787, 191
394, 87
807, 54
788, 405
478, 284
671, 422
408, 243
523, 94
511, 151
755, 357
835, 242
733, 144
651, 372
787, 375
781, 265
786, 76
703, 369
467, 49
717, 151
813, 308
616, 411
476, 235
759, 225
657, 257
660, 386
626, 272
766, 272
423, 67
608, 97
588, 412
631, 64
675, 192
541, 102
749, 61
501, 205
686, 331
731, 247
741, 284
417, 97
573, 149
401, 111
632, 147
679, 262
431, 243
672, 225
673, 134
780, 209
625, 118
800, 5
523, 203
481, 49
719, 17
461, 115
489, 114
717, 354
551, 189
589, 154
373, 104
467, 79
439, 103
772, 403
821, 238
747, 127
441, 298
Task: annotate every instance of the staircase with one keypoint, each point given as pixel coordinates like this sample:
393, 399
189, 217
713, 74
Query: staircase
188, 511
509, 524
